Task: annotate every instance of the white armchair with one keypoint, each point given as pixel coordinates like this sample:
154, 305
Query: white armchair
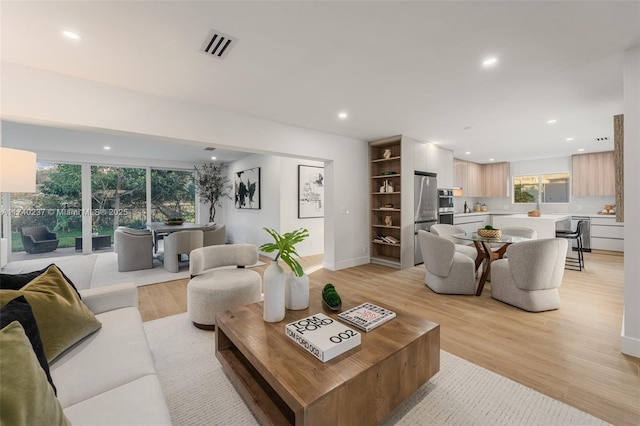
178, 243
134, 248
531, 274
448, 271
215, 236
446, 231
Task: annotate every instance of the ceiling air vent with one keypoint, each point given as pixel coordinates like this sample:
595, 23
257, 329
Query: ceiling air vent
209, 148
604, 139
218, 44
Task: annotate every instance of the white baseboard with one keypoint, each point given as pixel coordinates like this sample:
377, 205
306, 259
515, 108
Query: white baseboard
336, 266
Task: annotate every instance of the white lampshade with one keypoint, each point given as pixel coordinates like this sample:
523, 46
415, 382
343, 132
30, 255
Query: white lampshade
17, 170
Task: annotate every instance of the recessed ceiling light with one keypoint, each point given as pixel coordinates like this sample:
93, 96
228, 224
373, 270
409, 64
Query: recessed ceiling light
435, 142
106, 148
489, 62
71, 35
467, 153
580, 149
342, 115
552, 121
492, 159
214, 158
569, 139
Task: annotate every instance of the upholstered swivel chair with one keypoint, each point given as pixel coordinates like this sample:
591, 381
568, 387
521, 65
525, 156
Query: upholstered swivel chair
214, 236
179, 243
134, 248
213, 289
531, 274
448, 271
461, 246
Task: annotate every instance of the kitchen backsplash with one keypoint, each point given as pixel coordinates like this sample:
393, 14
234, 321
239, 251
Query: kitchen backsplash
584, 205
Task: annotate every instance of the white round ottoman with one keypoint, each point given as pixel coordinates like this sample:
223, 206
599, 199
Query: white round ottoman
219, 290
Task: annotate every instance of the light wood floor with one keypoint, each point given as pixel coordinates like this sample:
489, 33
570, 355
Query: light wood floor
571, 354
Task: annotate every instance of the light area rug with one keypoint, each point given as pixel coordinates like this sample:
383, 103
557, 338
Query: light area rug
99, 270
199, 393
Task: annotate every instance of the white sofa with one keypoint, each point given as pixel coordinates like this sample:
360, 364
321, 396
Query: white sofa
109, 378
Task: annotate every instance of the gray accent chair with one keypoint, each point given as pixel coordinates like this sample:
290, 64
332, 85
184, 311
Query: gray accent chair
179, 243
213, 289
461, 246
531, 274
215, 236
448, 271
38, 239
134, 248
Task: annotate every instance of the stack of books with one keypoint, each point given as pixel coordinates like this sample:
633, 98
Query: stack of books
367, 316
388, 239
322, 336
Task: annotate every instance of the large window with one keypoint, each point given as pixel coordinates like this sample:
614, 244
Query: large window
549, 188
118, 198
172, 195
56, 204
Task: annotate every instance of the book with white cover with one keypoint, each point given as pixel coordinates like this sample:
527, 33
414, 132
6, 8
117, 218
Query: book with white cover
322, 336
367, 316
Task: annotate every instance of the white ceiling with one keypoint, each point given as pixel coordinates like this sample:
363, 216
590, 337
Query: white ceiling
410, 68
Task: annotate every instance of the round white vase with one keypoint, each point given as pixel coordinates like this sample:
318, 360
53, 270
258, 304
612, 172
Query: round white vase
296, 292
274, 283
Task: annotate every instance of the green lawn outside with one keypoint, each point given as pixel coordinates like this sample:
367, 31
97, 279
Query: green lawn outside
67, 239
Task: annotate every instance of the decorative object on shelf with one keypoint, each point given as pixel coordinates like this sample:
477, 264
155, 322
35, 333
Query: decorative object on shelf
310, 191
383, 188
174, 221
386, 154
389, 205
213, 185
489, 232
330, 297
281, 291
388, 221
387, 173
533, 213
389, 186
247, 189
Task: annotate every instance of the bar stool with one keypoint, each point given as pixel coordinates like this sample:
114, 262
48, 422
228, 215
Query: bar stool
572, 262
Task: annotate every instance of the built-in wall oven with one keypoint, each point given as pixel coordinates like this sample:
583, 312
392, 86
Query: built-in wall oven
445, 206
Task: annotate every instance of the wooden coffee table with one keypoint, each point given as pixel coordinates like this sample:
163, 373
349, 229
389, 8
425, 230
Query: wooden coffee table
283, 384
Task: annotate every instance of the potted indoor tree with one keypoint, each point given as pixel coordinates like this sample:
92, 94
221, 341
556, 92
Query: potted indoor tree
291, 291
213, 185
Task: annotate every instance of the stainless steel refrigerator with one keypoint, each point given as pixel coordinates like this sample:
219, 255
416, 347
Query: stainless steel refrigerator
425, 191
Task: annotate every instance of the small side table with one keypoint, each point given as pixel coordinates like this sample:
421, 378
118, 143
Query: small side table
97, 242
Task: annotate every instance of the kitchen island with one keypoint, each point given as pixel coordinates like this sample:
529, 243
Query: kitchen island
545, 225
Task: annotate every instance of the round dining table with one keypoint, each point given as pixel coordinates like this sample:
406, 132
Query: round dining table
485, 254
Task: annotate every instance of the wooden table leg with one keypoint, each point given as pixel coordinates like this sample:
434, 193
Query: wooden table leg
489, 256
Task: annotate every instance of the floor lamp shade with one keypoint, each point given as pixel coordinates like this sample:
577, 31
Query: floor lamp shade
17, 170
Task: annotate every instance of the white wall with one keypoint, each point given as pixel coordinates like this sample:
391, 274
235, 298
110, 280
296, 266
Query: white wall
35, 96
630, 341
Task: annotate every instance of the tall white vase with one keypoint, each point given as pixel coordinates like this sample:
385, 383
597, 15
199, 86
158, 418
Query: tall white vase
274, 283
296, 292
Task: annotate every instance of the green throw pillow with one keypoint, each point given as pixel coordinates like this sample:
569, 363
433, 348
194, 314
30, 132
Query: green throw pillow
61, 316
25, 395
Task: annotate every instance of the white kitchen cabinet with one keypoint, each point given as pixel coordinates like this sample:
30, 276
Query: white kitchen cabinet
471, 222
429, 158
607, 234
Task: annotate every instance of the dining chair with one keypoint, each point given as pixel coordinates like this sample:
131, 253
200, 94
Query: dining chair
134, 248
448, 271
529, 277
179, 243
447, 231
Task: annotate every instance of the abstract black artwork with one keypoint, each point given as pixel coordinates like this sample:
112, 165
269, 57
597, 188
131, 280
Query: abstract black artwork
247, 188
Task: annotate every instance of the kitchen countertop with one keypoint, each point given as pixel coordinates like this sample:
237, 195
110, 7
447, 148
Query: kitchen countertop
503, 213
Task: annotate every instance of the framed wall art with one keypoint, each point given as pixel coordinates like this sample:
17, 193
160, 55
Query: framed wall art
310, 191
247, 189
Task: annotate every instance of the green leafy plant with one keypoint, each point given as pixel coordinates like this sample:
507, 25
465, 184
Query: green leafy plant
213, 185
285, 246
489, 227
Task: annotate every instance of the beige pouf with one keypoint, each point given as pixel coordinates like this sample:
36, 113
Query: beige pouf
219, 290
